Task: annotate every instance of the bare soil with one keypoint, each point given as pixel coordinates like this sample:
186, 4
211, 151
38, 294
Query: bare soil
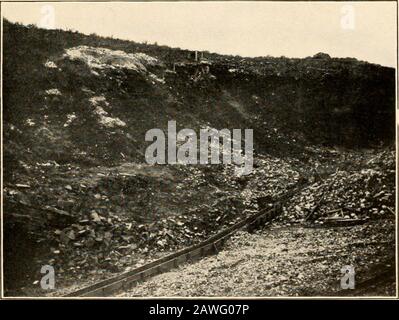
293, 261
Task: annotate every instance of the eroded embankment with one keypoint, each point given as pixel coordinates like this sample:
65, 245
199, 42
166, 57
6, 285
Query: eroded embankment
76, 110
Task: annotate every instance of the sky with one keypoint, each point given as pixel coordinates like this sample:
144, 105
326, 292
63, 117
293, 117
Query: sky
364, 30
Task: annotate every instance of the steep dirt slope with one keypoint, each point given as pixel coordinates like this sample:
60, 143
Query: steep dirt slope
90, 99
77, 192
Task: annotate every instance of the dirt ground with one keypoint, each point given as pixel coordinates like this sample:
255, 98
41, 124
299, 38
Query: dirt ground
293, 261
79, 195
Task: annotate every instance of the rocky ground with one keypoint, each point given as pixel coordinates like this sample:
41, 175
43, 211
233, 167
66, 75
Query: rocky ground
79, 196
281, 261
92, 234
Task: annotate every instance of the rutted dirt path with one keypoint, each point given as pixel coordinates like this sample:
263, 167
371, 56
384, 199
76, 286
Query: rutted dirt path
280, 261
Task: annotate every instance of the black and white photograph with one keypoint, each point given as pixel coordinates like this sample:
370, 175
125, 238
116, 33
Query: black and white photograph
199, 149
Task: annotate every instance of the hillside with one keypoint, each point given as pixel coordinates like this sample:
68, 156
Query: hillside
323, 100
78, 194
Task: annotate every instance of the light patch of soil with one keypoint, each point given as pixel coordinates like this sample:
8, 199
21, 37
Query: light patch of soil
100, 58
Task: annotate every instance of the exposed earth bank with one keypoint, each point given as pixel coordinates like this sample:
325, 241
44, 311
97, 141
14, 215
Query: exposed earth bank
79, 196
